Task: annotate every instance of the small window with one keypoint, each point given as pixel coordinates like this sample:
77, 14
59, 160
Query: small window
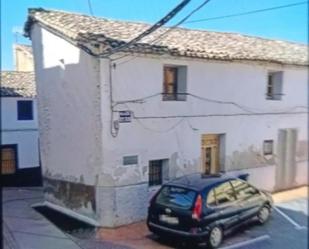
155, 172
243, 190
274, 86
130, 160
25, 110
225, 193
174, 83
268, 147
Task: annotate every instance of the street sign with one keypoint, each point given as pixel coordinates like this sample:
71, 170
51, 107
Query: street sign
125, 116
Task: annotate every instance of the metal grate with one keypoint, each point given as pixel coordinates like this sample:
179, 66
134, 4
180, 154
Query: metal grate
155, 172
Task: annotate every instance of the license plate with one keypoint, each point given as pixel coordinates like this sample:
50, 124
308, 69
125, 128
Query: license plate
168, 219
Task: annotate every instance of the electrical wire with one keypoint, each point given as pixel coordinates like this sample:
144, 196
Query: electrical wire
248, 12
159, 131
167, 31
180, 22
150, 30
218, 115
241, 107
90, 7
139, 101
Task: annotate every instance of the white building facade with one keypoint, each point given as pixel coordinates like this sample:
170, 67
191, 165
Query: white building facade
19, 130
113, 129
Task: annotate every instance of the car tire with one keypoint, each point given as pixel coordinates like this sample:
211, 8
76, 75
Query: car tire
215, 237
263, 214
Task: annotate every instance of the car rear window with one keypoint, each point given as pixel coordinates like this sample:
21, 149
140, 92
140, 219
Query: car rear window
176, 197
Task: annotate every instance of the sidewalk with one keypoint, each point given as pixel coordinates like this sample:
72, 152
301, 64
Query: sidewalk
289, 195
24, 228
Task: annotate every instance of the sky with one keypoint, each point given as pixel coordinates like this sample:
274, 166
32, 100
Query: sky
290, 24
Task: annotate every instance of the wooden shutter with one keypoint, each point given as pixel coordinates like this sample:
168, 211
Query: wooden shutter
8, 161
170, 82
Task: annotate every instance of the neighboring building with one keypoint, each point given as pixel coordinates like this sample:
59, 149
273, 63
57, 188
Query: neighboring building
20, 164
113, 128
23, 58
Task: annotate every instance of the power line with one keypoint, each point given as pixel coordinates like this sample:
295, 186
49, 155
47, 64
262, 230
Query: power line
217, 115
168, 30
90, 7
160, 131
248, 12
239, 106
154, 27
180, 22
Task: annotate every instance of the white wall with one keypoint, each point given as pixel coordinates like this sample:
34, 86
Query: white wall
23, 133
152, 139
27, 146
68, 108
9, 119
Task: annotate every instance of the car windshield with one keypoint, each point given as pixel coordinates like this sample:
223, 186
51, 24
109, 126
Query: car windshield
176, 197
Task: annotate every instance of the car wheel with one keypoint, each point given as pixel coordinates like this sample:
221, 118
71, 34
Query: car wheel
215, 237
263, 214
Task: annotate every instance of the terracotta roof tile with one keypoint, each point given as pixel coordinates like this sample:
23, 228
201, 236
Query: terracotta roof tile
105, 33
17, 84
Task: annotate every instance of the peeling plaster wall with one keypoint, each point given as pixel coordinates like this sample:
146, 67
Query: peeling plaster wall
153, 139
69, 111
74, 196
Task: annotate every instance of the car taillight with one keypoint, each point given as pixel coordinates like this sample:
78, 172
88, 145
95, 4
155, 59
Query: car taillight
197, 211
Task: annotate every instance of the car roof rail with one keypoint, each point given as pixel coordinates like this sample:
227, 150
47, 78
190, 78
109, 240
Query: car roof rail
212, 175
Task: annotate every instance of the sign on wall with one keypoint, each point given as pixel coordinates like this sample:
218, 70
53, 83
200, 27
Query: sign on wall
125, 116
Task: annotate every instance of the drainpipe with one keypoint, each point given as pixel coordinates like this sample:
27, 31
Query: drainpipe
114, 127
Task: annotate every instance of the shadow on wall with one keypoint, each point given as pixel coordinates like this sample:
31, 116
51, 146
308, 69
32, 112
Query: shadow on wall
69, 114
69, 110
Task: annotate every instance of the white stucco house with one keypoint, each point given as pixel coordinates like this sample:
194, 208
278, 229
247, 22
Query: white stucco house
114, 126
20, 163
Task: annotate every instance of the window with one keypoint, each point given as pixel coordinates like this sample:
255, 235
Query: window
274, 86
130, 160
211, 200
174, 83
224, 193
155, 172
25, 110
268, 147
176, 197
243, 190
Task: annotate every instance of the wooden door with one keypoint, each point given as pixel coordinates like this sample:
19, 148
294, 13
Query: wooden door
210, 154
8, 160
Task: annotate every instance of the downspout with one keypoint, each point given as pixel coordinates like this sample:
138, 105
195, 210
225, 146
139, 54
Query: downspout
113, 127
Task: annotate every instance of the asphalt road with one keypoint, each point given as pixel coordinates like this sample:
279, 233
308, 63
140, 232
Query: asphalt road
286, 229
